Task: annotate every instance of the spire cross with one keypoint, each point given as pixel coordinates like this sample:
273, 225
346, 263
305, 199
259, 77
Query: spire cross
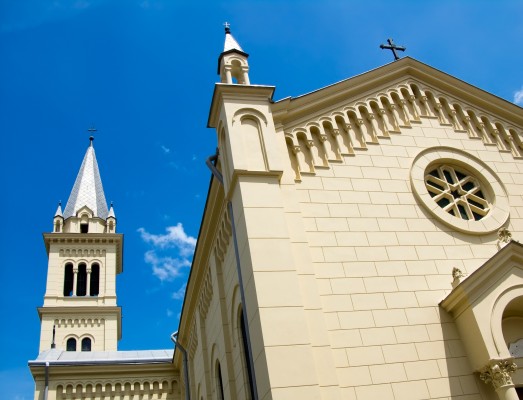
393, 47
227, 27
92, 130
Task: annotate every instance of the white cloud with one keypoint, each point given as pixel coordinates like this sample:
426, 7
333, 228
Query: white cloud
172, 252
174, 238
165, 149
166, 268
518, 96
169, 313
180, 293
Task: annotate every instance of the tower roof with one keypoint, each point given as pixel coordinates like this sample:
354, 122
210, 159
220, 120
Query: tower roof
87, 190
230, 45
230, 42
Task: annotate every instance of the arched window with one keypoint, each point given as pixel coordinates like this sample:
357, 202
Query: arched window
71, 344
95, 280
68, 280
219, 382
86, 344
246, 355
81, 285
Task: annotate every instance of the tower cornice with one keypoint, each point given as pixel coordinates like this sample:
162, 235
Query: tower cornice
224, 91
88, 239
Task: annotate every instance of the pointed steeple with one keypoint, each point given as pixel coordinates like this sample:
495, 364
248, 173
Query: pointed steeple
230, 41
111, 212
232, 63
58, 212
87, 190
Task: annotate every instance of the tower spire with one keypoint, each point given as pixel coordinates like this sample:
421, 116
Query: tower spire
87, 189
232, 64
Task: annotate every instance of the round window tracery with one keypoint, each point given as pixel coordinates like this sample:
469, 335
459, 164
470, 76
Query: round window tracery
457, 192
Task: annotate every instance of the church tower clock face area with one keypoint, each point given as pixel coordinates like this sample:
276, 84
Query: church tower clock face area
459, 190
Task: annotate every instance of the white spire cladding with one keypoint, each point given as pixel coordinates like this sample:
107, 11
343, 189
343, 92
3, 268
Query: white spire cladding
230, 41
88, 190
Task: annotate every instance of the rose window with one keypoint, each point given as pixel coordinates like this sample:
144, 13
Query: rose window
457, 192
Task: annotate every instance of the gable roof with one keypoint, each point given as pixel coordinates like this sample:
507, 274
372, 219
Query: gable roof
294, 107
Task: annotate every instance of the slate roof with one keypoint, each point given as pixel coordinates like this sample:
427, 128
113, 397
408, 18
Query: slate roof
87, 190
61, 357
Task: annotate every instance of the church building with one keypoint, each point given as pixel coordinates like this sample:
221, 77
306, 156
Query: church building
361, 241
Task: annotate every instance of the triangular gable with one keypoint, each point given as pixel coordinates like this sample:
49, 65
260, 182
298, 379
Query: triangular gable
345, 118
478, 304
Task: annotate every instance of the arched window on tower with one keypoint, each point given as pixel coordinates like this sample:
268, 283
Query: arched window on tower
68, 279
71, 344
95, 280
219, 382
246, 356
86, 344
81, 285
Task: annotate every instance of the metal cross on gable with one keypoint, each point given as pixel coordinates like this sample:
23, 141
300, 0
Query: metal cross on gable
393, 47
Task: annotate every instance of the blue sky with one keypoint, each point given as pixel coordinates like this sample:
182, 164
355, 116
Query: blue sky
142, 72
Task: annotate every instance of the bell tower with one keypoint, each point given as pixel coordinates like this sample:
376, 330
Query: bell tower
85, 255
232, 64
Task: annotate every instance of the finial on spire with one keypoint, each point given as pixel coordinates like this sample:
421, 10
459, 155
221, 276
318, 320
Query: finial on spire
58, 212
227, 27
91, 130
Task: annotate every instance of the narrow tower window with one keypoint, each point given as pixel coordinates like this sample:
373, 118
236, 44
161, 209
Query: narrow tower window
95, 280
86, 344
68, 280
219, 381
81, 288
246, 355
84, 228
71, 344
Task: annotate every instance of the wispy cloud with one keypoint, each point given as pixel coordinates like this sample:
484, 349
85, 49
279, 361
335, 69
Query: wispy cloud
180, 293
518, 96
165, 149
171, 254
166, 268
174, 238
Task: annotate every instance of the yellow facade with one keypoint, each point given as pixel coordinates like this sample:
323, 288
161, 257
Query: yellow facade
374, 224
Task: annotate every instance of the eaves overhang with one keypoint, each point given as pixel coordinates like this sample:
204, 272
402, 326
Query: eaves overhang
56, 357
214, 204
235, 92
291, 108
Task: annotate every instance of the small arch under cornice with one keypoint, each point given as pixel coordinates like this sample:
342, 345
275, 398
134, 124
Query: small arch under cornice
252, 113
